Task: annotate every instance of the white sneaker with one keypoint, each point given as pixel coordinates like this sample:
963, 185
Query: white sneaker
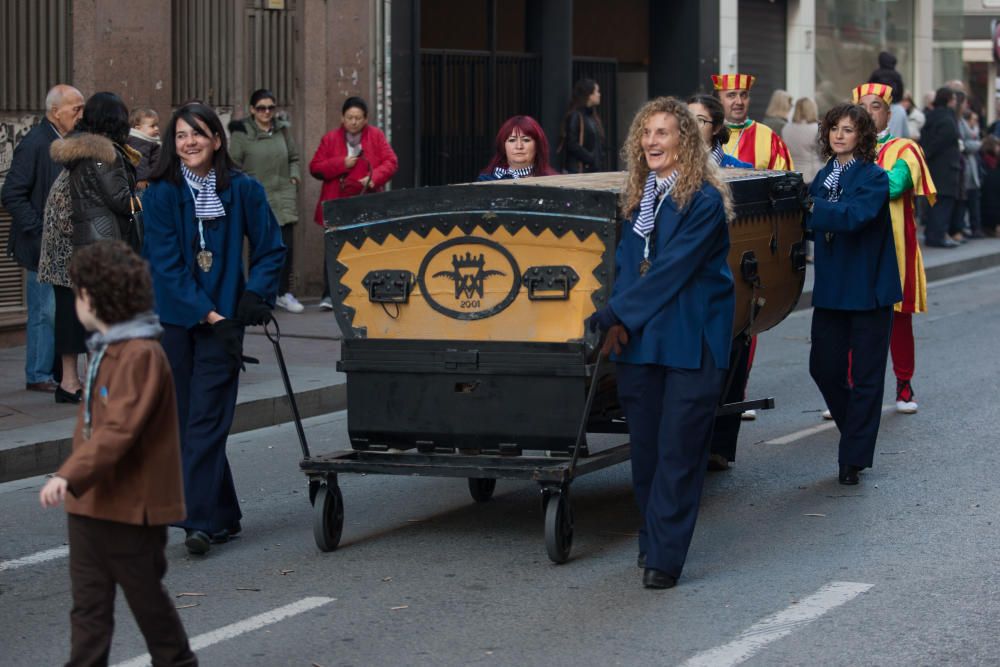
906, 407
326, 303
289, 303
827, 415
749, 415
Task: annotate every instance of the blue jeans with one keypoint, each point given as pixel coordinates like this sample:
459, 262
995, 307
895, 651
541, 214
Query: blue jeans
41, 344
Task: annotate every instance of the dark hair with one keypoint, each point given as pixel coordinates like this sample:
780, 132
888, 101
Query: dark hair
528, 127
354, 102
261, 94
116, 279
943, 97
105, 114
863, 123
717, 114
582, 90
195, 114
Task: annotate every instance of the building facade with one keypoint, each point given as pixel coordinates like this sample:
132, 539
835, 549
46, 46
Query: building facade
441, 75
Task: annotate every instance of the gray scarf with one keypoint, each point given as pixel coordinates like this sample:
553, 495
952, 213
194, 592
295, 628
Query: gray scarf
144, 325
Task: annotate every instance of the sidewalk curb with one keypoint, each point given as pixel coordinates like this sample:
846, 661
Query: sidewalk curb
39, 458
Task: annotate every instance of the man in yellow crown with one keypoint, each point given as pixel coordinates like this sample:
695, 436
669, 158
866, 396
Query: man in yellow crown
909, 177
749, 141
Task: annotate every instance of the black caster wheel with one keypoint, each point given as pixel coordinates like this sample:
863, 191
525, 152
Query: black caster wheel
558, 527
328, 517
481, 488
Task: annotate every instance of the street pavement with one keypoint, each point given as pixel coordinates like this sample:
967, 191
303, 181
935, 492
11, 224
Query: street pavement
787, 567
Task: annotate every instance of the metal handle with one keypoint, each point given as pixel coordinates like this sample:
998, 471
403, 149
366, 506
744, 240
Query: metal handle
275, 338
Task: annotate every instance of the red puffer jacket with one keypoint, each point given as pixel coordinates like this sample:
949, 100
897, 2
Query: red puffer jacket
328, 165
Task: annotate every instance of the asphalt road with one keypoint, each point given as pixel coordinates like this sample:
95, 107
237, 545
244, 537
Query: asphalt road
787, 566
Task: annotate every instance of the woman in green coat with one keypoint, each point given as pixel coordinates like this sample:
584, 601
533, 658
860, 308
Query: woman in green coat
263, 147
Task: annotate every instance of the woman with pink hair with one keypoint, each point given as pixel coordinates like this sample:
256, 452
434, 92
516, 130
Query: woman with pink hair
521, 151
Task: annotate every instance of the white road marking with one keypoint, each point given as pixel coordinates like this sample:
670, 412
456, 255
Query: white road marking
34, 559
242, 627
772, 628
826, 425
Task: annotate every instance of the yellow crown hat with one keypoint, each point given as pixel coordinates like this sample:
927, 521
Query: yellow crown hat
733, 81
878, 89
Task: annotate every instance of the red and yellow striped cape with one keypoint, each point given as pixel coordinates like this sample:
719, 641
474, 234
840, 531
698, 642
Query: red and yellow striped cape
760, 146
904, 227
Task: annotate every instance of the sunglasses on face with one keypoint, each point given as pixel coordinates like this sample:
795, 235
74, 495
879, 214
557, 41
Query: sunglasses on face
263, 108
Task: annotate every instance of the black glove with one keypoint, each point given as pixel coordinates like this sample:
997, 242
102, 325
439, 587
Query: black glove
805, 199
230, 334
602, 320
252, 309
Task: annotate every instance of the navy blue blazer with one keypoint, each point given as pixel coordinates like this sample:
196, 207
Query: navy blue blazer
856, 268
734, 163
687, 295
184, 293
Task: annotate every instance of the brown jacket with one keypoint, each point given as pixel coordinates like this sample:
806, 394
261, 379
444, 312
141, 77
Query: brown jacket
129, 470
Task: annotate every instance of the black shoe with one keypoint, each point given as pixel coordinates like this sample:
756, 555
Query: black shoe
717, 463
849, 474
63, 396
655, 579
641, 561
227, 534
198, 542
947, 243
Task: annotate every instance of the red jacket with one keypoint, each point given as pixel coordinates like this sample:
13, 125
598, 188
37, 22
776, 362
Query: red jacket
328, 163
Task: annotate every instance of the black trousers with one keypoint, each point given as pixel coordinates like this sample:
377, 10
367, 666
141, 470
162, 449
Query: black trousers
206, 380
103, 554
285, 279
727, 427
71, 337
945, 217
670, 412
863, 337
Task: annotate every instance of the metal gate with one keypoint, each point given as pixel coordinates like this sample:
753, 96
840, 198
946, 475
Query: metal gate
762, 42
465, 97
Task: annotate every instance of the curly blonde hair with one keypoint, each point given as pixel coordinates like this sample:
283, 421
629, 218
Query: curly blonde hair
693, 164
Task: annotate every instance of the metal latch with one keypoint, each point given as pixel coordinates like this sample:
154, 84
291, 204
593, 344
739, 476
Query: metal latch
389, 285
550, 283
749, 268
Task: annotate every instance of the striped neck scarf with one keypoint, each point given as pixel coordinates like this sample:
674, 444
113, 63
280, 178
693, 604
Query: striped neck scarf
739, 126
507, 172
207, 204
832, 181
651, 194
716, 153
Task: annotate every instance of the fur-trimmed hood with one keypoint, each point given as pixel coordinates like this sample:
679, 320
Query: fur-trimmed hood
88, 146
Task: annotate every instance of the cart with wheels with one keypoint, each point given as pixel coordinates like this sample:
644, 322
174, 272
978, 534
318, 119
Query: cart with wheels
462, 309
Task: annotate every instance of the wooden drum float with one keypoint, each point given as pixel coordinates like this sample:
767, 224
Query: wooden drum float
462, 309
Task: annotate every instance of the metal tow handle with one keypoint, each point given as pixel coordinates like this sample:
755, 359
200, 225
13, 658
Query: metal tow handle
275, 338
582, 430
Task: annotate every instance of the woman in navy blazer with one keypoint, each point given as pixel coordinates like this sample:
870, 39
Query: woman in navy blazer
857, 282
198, 209
669, 324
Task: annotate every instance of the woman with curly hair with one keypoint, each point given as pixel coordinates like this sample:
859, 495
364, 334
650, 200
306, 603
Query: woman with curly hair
668, 324
856, 285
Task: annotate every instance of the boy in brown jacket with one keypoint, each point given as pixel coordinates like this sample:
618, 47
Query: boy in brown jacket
124, 475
